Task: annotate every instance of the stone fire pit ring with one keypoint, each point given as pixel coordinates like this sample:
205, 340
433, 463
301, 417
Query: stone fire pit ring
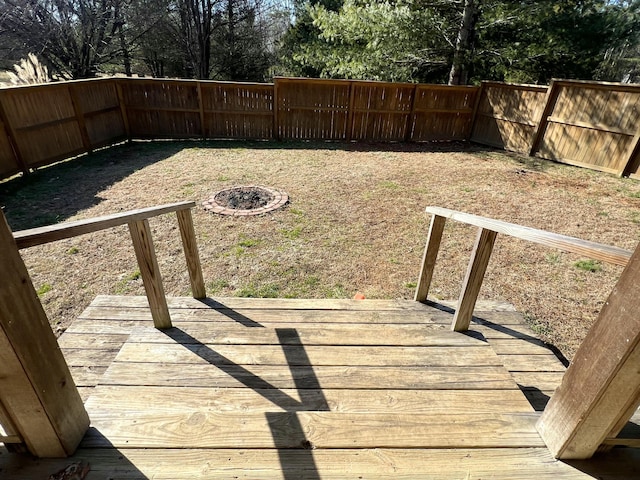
246, 200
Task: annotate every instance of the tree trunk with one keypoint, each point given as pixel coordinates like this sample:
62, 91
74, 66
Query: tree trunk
464, 44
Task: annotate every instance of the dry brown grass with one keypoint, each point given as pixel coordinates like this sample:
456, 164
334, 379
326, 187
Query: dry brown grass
355, 224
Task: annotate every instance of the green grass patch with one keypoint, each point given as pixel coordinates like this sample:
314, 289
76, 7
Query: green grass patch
216, 286
73, 250
553, 258
335, 291
123, 285
188, 190
389, 185
410, 285
248, 243
44, 289
269, 290
588, 265
292, 234
297, 212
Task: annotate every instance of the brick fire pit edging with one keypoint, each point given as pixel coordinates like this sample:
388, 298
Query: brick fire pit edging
279, 199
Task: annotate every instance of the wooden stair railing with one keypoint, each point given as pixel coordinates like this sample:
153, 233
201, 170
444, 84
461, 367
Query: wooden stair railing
600, 390
138, 223
40, 407
488, 230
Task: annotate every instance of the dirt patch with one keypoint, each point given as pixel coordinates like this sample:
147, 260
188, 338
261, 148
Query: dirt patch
243, 198
356, 224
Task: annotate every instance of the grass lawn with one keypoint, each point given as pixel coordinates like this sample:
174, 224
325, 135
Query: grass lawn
355, 223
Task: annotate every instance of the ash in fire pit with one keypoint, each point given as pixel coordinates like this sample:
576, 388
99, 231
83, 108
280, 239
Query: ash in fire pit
247, 200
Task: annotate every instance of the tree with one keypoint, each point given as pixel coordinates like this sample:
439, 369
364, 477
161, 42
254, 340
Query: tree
379, 40
302, 35
463, 53
74, 37
534, 41
240, 51
421, 40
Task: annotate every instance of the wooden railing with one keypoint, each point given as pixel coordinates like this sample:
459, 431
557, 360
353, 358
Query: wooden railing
488, 230
138, 223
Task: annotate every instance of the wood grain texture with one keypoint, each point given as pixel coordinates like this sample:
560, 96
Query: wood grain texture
36, 388
282, 377
52, 233
473, 279
320, 429
429, 257
597, 251
321, 334
177, 400
190, 246
601, 389
292, 414
323, 355
150, 272
384, 463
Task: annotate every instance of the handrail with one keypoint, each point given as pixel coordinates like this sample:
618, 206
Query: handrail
487, 233
138, 223
597, 251
51, 233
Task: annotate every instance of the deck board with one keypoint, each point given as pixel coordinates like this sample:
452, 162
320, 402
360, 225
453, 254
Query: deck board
271, 388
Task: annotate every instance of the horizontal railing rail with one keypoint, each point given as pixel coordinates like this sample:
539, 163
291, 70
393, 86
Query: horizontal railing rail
138, 223
488, 230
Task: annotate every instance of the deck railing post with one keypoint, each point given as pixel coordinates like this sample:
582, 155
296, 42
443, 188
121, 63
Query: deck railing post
39, 398
150, 272
188, 234
429, 257
473, 279
600, 390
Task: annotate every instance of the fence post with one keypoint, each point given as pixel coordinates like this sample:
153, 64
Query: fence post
11, 136
476, 105
349, 125
276, 131
473, 279
150, 272
550, 103
188, 234
37, 392
601, 388
123, 107
84, 134
631, 153
429, 257
201, 105
411, 121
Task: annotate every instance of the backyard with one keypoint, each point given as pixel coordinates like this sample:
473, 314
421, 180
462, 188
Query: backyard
355, 224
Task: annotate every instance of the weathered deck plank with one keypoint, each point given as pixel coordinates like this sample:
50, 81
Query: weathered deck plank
107, 398
148, 429
343, 377
267, 388
403, 464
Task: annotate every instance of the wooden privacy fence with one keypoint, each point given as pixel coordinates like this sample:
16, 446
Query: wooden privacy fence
582, 123
587, 124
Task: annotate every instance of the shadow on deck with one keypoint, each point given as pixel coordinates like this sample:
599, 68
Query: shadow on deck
274, 388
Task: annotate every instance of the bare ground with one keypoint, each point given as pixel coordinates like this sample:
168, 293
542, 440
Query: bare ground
356, 223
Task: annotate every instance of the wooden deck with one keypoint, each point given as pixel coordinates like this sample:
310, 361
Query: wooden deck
273, 388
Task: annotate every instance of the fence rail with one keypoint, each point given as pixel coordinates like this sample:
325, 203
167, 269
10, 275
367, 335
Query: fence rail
589, 124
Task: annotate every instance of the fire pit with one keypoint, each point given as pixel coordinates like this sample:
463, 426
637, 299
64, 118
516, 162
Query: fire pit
246, 200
